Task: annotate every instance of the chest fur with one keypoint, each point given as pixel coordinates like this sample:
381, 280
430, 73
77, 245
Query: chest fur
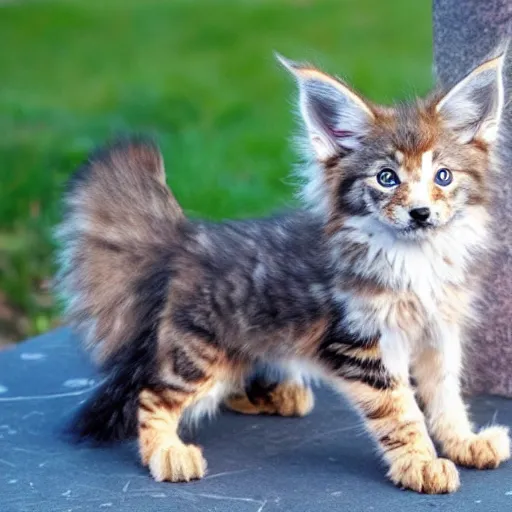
409, 288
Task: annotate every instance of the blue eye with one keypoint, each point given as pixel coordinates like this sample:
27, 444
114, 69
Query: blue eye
443, 177
388, 178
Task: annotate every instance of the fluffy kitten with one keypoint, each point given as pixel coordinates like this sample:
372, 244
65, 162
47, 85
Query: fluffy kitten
369, 285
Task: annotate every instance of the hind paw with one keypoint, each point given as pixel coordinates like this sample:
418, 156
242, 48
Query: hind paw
286, 399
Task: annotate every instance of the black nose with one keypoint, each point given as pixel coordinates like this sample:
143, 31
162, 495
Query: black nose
420, 214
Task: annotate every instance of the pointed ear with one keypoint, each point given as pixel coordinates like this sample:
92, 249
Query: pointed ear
473, 107
336, 118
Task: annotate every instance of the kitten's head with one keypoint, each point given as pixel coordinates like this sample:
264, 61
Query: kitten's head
413, 167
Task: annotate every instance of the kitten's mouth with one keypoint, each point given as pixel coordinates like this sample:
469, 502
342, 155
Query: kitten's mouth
414, 229
416, 225
417, 229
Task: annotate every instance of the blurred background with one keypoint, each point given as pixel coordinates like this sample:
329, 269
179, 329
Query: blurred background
197, 75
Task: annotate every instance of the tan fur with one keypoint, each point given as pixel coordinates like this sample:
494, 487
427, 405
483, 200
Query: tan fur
439, 390
160, 413
114, 256
485, 450
287, 399
308, 338
371, 352
312, 73
437, 194
168, 458
394, 418
400, 198
429, 476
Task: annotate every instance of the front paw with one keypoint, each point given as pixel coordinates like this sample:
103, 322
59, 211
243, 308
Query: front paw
429, 476
485, 450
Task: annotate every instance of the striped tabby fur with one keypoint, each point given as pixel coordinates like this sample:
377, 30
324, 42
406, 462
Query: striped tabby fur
371, 283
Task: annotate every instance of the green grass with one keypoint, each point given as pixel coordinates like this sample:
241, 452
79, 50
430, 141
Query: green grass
198, 75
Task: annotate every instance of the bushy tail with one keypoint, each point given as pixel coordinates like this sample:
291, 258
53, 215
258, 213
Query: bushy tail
110, 414
116, 238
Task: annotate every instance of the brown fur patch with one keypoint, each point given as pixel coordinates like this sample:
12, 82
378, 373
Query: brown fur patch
332, 176
412, 164
286, 399
307, 342
436, 193
364, 288
399, 198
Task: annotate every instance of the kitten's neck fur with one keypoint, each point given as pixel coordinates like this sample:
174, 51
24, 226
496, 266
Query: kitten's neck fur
369, 250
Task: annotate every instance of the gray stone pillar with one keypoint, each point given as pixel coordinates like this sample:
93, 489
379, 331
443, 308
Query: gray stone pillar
466, 32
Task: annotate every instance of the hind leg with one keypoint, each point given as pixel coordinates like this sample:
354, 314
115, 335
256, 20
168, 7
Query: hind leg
160, 446
272, 390
188, 369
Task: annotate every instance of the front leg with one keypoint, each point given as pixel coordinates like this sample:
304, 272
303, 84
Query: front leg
437, 372
392, 416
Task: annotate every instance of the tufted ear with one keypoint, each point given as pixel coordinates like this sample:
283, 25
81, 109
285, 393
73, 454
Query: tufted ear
336, 118
473, 107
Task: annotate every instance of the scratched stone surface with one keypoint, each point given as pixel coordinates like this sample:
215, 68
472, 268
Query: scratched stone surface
324, 462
